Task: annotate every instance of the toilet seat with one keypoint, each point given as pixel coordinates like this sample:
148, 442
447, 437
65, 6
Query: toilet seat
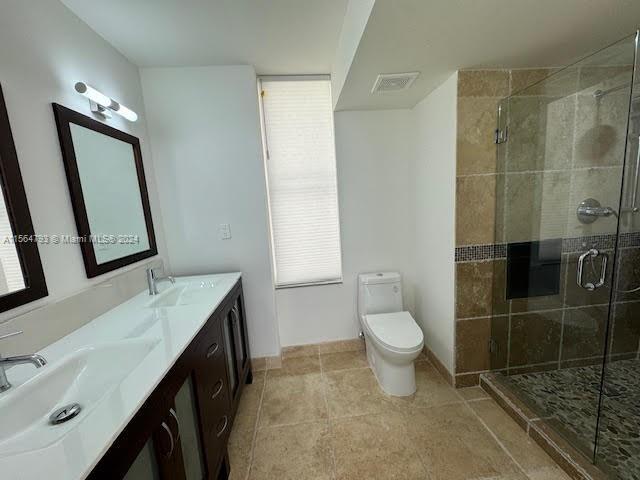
397, 331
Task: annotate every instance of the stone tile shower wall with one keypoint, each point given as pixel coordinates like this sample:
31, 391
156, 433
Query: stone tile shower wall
564, 146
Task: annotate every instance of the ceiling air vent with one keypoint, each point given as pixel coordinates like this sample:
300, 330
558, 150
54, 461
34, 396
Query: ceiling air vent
392, 82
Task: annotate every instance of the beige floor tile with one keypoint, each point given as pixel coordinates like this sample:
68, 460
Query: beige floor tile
508, 476
250, 403
239, 449
454, 445
473, 393
431, 389
296, 366
375, 447
293, 452
343, 360
291, 399
350, 345
354, 392
300, 351
274, 362
258, 364
549, 473
524, 450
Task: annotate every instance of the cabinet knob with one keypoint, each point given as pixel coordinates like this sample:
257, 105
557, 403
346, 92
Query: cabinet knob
213, 349
218, 389
175, 417
224, 427
171, 444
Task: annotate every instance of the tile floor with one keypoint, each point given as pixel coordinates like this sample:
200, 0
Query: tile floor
569, 398
322, 416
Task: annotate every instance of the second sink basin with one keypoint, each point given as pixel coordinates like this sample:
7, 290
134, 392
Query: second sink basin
85, 377
184, 294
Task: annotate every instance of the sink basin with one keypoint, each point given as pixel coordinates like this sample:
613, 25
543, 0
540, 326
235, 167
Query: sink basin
85, 377
186, 294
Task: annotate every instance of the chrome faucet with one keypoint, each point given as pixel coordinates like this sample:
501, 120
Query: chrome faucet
34, 359
152, 281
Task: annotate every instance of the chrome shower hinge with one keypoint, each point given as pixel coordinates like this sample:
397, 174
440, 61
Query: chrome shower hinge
501, 136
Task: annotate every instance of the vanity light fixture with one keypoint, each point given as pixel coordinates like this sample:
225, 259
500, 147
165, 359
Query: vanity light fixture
103, 105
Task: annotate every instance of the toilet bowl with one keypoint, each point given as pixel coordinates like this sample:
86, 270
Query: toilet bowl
393, 339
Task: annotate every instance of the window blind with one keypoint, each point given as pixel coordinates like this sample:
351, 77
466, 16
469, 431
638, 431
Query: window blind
302, 186
11, 278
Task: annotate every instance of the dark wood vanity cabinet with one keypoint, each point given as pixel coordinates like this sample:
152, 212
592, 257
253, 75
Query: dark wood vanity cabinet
181, 431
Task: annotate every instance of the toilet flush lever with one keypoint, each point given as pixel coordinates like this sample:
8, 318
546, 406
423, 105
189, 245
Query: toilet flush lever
592, 254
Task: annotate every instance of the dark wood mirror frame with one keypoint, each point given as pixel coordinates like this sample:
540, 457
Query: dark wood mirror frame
18, 210
64, 117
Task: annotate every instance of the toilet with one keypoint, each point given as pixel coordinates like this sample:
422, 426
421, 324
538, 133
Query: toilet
393, 339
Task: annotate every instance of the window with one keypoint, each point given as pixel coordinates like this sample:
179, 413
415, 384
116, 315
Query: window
301, 179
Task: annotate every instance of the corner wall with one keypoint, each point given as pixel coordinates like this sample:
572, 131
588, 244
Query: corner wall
434, 189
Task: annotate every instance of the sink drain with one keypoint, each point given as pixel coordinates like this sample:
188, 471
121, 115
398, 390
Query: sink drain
64, 414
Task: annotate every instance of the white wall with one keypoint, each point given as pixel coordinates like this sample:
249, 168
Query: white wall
45, 50
205, 135
355, 21
434, 183
373, 154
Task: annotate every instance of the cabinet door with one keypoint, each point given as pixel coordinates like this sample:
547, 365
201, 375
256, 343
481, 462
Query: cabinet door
161, 456
230, 352
239, 336
145, 466
168, 448
188, 418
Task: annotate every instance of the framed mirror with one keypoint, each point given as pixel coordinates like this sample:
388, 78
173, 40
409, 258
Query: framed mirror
108, 191
21, 275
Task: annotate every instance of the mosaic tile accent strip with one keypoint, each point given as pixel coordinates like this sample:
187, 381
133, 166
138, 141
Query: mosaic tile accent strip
470, 253
578, 244
570, 397
495, 251
629, 240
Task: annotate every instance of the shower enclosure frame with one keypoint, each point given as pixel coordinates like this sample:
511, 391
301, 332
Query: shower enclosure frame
608, 257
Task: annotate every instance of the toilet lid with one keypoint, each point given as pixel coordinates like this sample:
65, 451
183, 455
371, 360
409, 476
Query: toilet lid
398, 330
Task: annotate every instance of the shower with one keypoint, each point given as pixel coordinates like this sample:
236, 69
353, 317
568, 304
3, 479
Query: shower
568, 150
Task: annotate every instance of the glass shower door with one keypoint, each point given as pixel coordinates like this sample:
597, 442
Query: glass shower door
618, 440
561, 149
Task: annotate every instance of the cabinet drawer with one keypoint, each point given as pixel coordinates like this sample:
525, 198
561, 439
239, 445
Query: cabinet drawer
214, 402
209, 338
216, 439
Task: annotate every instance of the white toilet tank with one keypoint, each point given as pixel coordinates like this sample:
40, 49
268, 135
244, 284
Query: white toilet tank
379, 293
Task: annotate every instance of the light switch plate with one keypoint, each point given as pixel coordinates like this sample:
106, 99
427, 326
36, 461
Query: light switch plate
224, 231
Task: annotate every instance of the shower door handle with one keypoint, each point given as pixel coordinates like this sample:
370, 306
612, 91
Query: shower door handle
592, 254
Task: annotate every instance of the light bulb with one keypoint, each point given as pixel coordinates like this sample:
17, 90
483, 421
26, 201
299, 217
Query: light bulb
93, 94
125, 112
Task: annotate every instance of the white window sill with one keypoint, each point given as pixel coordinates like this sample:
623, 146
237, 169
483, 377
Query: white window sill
310, 284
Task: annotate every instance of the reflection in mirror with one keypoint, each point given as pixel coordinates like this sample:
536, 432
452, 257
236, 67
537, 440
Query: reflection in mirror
109, 184
21, 274
108, 191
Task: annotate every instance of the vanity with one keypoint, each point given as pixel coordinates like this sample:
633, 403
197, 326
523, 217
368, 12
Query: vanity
158, 392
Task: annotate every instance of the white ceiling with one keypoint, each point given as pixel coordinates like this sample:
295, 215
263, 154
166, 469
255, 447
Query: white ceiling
276, 36
434, 37
437, 37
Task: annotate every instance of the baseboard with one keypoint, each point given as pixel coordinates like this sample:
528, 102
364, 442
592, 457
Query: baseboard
433, 358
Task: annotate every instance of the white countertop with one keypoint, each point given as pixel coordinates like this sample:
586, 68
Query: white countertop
74, 456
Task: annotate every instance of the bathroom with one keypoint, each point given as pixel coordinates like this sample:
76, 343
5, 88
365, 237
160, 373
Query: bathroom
348, 239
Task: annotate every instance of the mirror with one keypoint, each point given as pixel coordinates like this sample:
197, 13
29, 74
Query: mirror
21, 274
108, 191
